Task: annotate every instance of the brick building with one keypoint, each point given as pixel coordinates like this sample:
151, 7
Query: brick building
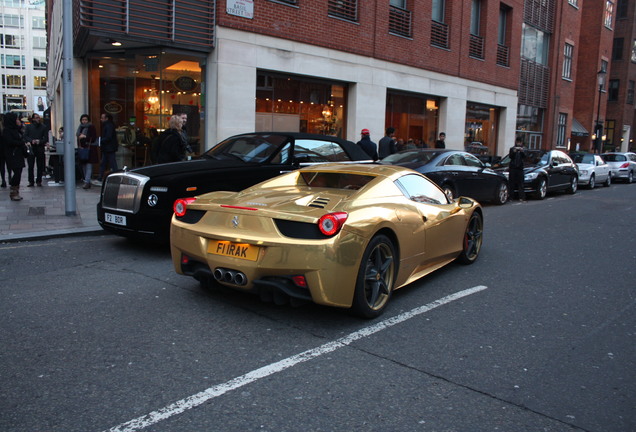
329, 66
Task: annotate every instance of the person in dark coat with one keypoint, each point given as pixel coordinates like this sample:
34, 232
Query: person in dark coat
387, 145
109, 145
15, 151
515, 169
3, 161
441, 141
367, 145
86, 139
37, 136
171, 145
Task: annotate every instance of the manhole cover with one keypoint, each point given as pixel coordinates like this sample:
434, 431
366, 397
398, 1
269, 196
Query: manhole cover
36, 211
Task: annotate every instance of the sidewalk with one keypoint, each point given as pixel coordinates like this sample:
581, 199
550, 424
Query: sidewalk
42, 212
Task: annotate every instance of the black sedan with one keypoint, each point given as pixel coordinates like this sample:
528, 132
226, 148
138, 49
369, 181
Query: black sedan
458, 173
138, 203
545, 171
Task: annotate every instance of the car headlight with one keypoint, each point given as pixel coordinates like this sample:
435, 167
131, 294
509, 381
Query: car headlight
583, 172
531, 176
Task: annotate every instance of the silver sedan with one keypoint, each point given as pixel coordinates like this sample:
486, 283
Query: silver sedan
593, 170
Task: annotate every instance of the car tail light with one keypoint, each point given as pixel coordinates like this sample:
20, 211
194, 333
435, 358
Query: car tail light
180, 205
331, 223
625, 165
300, 281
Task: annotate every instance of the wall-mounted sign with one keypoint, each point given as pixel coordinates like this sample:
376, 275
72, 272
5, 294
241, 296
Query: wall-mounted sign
185, 83
242, 8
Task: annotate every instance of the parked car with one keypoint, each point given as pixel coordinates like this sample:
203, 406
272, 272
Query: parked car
545, 171
458, 173
622, 165
138, 202
593, 170
337, 235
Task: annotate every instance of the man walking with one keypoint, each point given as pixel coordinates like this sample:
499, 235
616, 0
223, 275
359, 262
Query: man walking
367, 145
387, 145
37, 136
109, 146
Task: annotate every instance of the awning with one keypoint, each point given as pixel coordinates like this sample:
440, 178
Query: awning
578, 129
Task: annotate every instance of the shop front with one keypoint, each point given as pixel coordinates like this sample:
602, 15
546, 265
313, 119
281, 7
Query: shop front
299, 104
141, 91
480, 132
415, 119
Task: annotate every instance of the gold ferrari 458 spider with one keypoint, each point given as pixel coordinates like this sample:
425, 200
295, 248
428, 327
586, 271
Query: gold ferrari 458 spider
343, 235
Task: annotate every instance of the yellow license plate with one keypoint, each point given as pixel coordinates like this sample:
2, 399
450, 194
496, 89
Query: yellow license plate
237, 250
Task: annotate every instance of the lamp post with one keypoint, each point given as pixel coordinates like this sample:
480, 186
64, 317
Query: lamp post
598, 128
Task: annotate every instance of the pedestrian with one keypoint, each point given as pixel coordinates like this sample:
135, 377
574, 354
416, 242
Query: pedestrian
184, 134
515, 169
441, 141
15, 150
367, 145
4, 160
109, 146
171, 146
86, 139
37, 136
387, 145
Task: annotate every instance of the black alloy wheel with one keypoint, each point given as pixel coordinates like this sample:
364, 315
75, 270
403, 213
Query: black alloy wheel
473, 238
542, 189
574, 184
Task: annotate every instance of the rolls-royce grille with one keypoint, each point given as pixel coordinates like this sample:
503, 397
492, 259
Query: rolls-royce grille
123, 192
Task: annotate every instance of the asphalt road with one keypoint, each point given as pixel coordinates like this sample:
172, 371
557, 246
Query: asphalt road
98, 334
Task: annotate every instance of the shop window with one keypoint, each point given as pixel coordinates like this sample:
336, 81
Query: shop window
291, 103
481, 126
13, 102
414, 118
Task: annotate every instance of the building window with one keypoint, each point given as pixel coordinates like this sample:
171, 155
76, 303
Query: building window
534, 45
612, 90
39, 42
567, 61
38, 23
39, 83
574, 3
609, 13
11, 61
399, 19
561, 126
11, 41
8, 20
345, 9
621, 9
439, 28
12, 102
13, 81
39, 63
503, 37
630, 93
617, 49
476, 44
633, 56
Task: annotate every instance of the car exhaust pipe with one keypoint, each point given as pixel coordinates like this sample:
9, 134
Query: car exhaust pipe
230, 276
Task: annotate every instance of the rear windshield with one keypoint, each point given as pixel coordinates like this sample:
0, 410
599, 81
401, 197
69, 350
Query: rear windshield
614, 158
583, 158
335, 180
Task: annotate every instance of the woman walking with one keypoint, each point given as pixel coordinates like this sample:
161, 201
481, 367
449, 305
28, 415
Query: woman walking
16, 151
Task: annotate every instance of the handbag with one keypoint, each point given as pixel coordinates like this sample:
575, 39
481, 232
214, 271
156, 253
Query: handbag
83, 153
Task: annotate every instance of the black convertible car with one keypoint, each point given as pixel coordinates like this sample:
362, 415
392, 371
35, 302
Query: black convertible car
138, 203
458, 173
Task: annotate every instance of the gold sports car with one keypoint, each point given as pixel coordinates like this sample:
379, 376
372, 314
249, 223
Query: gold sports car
343, 235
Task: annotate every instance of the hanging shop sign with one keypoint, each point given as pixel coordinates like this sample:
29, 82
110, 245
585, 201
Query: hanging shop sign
185, 83
242, 8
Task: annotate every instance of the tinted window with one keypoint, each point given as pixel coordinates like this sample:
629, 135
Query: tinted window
420, 189
614, 158
472, 161
455, 159
408, 156
583, 158
248, 148
336, 180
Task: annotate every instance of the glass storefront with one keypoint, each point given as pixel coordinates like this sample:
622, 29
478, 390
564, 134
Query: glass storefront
530, 125
480, 133
141, 91
295, 104
414, 117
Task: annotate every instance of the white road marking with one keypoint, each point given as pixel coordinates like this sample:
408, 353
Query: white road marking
250, 377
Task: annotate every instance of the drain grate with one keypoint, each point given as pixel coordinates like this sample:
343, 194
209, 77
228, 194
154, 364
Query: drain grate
36, 211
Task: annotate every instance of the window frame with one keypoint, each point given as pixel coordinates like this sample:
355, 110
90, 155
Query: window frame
568, 55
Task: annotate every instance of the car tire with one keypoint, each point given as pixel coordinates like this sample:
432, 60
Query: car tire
592, 182
574, 185
502, 194
449, 191
608, 181
376, 277
473, 238
630, 177
542, 189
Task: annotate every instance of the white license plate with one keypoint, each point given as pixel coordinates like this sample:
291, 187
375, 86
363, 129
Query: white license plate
115, 219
